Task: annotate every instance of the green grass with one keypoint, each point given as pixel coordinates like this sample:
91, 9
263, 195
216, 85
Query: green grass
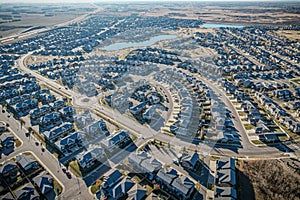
248, 126
75, 169
257, 142
95, 188
57, 188
136, 178
149, 189
282, 138
18, 143
242, 113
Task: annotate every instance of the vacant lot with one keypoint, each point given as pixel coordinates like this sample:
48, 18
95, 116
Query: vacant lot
269, 179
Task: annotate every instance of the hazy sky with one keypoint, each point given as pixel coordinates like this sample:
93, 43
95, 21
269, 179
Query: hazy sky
106, 1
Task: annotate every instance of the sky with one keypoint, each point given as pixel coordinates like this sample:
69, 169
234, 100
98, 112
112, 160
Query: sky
111, 1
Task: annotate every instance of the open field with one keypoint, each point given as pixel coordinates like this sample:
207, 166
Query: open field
269, 179
293, 35
16, 19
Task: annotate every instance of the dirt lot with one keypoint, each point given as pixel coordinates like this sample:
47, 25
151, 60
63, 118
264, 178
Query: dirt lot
268, 180
293, 35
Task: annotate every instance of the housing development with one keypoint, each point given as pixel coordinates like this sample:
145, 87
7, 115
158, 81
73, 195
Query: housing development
150, 100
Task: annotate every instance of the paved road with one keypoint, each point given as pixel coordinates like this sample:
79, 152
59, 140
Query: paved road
48, 161
124, 122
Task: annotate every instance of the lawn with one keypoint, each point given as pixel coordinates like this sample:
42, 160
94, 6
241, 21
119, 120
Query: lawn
248, 126
74, 168
18, 143
96, 186
257, 142
57, 188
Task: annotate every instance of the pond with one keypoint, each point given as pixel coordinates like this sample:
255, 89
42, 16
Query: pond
221, 25
123, 45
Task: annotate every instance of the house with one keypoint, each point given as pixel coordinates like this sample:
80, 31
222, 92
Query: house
226, 178
89, 158
27, 192
7, 196
137, 192
183, 187
56, 133
138, 108
144, 163
50, 120
27, 163
67, 143
121, 189
148, 113
97, 129
118, 140
190, 161
165, 177
6, 140
44, 183
225, 193
112, 179
9, 171
225, 163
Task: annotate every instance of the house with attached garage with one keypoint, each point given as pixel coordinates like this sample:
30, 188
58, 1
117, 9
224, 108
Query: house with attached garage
226, 176
27, 163
69, 142
165, 177
44, 184
114, 142
9, 171
27, 192
59, 132
97, 129
190, 161
89, 158
6, 140
225, 193
183, 187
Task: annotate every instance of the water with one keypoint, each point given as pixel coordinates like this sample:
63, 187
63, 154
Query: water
221, 25
123, 45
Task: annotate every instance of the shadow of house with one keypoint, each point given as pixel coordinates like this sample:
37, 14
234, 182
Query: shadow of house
245, 188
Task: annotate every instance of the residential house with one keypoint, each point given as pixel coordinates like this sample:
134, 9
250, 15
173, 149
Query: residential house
165, 177
225, 193
59, 132
90, 157
27, 192
9, 171
189, 161
225, 163
112, 179
137, 192
27, 163
148, 113
97, 129
69, 142
121, 189
183, 187
226, 178
44, 183
6, 140
118, 140
138, 108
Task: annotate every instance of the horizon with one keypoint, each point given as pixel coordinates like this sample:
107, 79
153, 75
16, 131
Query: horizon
134, 1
